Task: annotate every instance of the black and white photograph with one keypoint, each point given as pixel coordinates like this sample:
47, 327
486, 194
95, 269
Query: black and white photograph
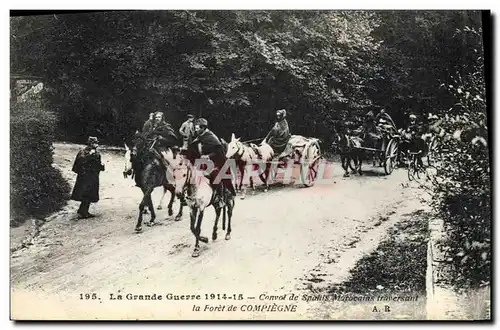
255, 165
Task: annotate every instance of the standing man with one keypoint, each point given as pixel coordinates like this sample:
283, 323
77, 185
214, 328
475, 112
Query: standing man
187, 131
87, 166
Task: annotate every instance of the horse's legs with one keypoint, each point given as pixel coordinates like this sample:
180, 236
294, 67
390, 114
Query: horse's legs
216, 223
162, 198
267, 175
252, 184
178, 217
193, 214
138, 226
244, 191
230, 207
224, 217
152, 209
360, 162
242, 174
197, 231
345, 164
171, 201
198, 227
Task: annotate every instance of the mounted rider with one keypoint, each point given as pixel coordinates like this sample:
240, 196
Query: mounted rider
279, 135
160, 136
210, 146
412, 138
384, 118
368, 131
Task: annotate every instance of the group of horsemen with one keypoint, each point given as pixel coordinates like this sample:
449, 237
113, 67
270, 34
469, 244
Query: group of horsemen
208, 145
196, 136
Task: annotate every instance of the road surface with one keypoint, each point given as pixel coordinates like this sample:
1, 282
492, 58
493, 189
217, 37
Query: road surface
288, 240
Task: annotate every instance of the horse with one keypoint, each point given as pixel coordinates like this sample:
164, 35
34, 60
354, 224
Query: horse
350, 157
199, 194
152, 175
128, 171
244, 153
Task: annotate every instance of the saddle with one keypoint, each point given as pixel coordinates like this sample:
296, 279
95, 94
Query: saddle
256, 149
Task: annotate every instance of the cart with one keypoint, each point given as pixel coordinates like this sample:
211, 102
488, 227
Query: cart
306, 152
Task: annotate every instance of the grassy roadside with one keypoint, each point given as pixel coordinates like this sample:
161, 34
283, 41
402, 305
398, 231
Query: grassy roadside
393, 275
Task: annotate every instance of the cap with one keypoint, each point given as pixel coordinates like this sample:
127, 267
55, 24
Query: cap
202, 122
281, 112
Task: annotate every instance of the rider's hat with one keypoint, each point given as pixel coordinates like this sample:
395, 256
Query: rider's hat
432, 116
190, 115
202, 122
281, 112
92, 140
412, 116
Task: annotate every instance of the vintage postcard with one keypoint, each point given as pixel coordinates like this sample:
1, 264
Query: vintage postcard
250, 165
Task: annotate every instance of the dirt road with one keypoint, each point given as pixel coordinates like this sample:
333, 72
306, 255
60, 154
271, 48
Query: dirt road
288, 240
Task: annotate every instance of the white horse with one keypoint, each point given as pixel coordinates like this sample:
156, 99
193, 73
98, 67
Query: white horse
199, 194
244, 154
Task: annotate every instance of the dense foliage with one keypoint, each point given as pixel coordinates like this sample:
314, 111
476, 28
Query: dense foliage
36, 187
462, 191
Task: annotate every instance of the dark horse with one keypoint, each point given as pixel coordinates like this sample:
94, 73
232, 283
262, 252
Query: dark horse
350, 157
150, 173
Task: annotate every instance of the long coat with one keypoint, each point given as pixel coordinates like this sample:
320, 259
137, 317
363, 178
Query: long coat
87, 166
166, 132
279, 136
212, 147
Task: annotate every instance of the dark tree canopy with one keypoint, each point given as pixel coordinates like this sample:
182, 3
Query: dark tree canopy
106, 71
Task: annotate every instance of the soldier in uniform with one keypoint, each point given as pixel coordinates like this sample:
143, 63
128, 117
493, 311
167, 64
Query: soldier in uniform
87, 166
209, 146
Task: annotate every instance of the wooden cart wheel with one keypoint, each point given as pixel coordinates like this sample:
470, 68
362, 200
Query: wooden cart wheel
390, 156
310, 164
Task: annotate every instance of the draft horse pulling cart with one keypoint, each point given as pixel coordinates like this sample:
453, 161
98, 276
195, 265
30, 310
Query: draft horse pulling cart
387, 155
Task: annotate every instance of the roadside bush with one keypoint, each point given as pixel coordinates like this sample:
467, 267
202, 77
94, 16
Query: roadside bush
36, 188
462, 193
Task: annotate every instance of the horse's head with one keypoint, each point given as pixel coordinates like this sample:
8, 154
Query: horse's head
127, 170
233, 146
177, 169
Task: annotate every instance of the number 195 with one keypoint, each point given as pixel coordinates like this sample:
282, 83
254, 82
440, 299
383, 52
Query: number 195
88, 296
